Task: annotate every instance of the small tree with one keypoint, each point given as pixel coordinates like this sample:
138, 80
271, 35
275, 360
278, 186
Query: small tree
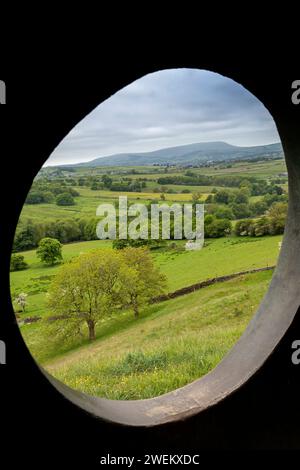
196, 196
107, 181
17, 263
49, 250
21, 300
142, 279
277, 217
209, 199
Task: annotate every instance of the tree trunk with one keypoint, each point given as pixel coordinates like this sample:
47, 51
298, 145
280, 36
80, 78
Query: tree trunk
91, 325
136, 311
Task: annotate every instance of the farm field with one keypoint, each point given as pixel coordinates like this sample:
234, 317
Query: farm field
176, 341
89, 200
257, 169
182, 268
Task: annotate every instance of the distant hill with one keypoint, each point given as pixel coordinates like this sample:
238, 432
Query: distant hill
187, 154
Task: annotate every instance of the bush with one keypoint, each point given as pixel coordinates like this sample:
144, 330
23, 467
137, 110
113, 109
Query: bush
65, 199
17, 263
95, 186
48, 197
39, 197
73, 192
276, 226
216, 228
260, 227
34, 197
277, 214
120, 244
244, 228
27, 237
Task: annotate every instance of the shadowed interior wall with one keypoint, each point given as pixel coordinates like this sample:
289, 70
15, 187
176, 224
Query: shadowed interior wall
251, 400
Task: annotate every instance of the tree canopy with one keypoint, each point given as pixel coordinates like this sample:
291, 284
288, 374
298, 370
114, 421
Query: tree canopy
49, 250
101, 282
17, 263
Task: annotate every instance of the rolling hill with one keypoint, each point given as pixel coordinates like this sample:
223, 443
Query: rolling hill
186, 154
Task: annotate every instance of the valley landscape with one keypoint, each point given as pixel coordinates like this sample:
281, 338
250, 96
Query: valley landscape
174, 339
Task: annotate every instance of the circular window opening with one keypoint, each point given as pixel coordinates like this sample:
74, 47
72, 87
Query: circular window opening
147, 243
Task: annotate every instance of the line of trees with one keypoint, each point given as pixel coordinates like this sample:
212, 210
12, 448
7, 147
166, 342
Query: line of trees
29, 233
217, 223
51, 193
271, 224
236, 204
193, 179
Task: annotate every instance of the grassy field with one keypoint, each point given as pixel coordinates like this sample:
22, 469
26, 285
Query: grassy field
173, 342
131, 361
261, 169
219, 257
89, 200
182, 268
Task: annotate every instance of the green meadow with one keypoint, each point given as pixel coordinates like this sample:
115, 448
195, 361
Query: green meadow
172, 342
182, 268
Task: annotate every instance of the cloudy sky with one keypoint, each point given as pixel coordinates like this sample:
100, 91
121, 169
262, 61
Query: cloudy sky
166, 109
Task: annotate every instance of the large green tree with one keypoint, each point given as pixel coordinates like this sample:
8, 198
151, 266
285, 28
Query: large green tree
49, 250
96, 284
87, 289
